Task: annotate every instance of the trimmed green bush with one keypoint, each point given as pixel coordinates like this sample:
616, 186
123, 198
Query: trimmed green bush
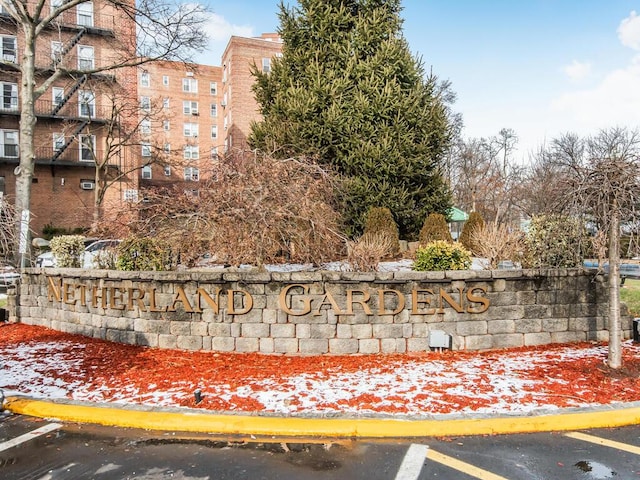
441, 255
555, 241
139, 254
472, 225
435, 228
67, 250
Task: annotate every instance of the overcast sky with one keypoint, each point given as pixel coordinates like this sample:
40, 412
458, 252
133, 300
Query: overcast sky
540, 67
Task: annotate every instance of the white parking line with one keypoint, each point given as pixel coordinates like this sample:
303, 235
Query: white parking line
461, 466
604, 442
412, 463
29, 436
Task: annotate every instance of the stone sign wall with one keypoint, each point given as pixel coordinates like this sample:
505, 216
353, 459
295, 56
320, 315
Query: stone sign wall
323, 312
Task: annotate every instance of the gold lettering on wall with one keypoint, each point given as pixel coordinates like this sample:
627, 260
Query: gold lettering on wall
53, 289
306, 301
483, 301
416, 301
293, 299
382, 293
362, 302
246, 300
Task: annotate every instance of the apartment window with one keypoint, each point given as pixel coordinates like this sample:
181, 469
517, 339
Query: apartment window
146, 172
167, 170
214, 153
191, 152
224, 100
85, 57
192, 174
86, 103
214, 132
56, 4
145, 79
146, 149
165, 125
9, 48
167, 148
214, 110
190, 85
87, 148
130, 195
145, 104
9, 96
85, 14
9, 143
165, 80
58, 141
165, 103
190, 130
190, 108
56, 51
145, 127
213, 88
266, 65
57, 95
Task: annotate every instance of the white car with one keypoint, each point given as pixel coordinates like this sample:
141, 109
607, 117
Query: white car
91, 252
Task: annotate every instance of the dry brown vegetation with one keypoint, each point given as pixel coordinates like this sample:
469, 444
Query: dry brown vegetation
255, 210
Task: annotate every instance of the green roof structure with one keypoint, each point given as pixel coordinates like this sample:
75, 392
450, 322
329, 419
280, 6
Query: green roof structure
457, 215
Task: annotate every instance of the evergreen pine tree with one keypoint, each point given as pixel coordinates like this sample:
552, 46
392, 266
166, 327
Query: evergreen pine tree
348, 92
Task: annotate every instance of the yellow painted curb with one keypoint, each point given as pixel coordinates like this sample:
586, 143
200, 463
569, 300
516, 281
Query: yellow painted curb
191, 421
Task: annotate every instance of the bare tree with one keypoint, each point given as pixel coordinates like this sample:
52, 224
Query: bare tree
257, 210
485, 179
605, 186
148, 30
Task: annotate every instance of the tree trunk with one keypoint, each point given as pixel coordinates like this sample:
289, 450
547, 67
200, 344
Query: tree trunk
24, 171
614, 359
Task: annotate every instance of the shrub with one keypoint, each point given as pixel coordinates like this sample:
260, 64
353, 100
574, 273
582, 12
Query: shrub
498, 242
136, 253
364, 254
254, 210
435, 228
380, 223
49, 231
67, 250
442, 255
473, 224
555, 241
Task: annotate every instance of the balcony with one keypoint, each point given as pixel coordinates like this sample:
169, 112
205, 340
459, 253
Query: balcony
72, 62
71, 157
69, 111
72, 19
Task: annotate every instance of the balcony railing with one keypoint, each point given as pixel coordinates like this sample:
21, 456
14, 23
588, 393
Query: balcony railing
70, 110
72, 62
72, 155
99, 22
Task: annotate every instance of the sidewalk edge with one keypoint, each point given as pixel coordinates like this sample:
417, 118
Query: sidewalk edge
320, 427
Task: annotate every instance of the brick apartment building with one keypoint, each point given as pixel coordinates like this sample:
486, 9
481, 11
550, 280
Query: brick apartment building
181, 127
239, 104
72, 115
196, 115
188, 116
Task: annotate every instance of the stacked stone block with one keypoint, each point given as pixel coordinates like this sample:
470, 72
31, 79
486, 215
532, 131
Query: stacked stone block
317, 313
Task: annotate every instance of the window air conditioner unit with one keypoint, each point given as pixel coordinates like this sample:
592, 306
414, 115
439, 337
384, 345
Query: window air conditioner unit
87, 185
223, 104
9, 58
195, 113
